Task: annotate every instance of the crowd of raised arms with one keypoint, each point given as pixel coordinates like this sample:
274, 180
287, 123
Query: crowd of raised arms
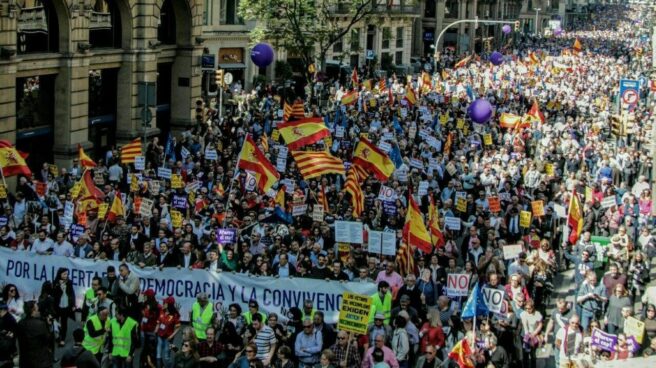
485, 177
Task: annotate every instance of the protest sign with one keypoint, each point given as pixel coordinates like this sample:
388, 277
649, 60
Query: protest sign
511, 251
251, 182
386, 194
452, 223
154, 186
457, 284
299, 209
317, 212
211, 154
176, 181
134, 183
41, 188
461, 204
537, 207
354, 313
423, 188
602, 340
348, 232
487, 139
525, 219
634, 327
54, 170
494, 204
179, 201
382, 242
146, 208
549, 169
140, 163
226, 236
164, 172
560, 210
493, 298
176, 219
608, 202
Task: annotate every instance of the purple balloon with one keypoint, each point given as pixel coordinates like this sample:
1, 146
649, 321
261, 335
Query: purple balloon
496, 58
558, 31
262, 55
506, 29
480, 111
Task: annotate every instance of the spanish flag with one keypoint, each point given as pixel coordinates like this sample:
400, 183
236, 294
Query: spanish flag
218, 189
461, 354
426, 81
414, 230
85, 160
367, 84
577, 45
509, 121
116, 209
130, 151
462, 62
447, 144
352, 186
302, 132
354, 78
373, 159
575, 218
88, 188
350, 98
280, 197
533, 58
410, 96
437, 238
11, 161
298, 109
252, 159
535, 113
313, 164
286, 112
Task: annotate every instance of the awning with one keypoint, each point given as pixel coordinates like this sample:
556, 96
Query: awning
232, 66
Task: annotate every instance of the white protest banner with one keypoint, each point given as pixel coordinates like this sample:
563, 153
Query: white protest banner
386, 194
153, 187
457, 284
184, 152
416, 163
493, 298
273, 295
146, 208
608, 202
382, 242
318, 213
339, 131
251, 182
385, 146
140, 163
299, 210
452, 223
348, 232
211, 154
560, 210
281, 163
164, 173
423, 188
511, 251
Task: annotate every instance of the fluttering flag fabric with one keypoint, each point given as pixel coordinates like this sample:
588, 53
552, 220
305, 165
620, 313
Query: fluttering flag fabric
130, 151
461, 354
437, 237
314, 164
352, 187
462, 62
448, 143
85, 160
367, 84
535, 113
390, 96
252, 159
405, 259
11, 161
427, 83
218, 189
575, 218
354, 78
88, 188
323, 200
414, 229
298, 110
302, 132
370, 157
116, 209
382, 85
280, 197
475, 305
286, 112
350, 98
410, 96
509, 121
533, 58
577, 45
264, 142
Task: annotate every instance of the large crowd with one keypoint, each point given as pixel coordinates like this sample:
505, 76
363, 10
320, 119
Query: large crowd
413, 321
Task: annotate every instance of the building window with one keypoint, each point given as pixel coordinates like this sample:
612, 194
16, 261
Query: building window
230, 12
429, 9
387, 34
166, 26
35, 101
399, 37
37, 26
102, 92
207, 12
338, 47
355, 40
451, 9
398, 58
105, 25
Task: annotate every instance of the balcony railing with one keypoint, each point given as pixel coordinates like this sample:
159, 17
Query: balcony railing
100, 20
33, 20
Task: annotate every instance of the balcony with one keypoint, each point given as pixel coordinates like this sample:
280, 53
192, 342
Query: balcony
100, 20
400, 9
33, 20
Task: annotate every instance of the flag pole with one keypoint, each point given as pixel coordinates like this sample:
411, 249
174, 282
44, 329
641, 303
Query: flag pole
3, 178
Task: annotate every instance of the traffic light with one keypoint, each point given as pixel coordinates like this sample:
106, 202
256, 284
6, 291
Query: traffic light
219, 77
516, 26
200, 110
617, 126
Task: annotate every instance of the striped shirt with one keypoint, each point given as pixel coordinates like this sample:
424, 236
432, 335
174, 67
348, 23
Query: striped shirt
264, 339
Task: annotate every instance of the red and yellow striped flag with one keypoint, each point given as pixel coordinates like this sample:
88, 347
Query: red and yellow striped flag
437, 238
286, 112
11, 161
373, 159
264, 141
130, 151
577, 45
414, 229
322, 200
313, 164
575, 218
252, 159
533, 58
116, 209
461, 354
352, 186
298, 109
303, 132
462, 62
427, 83
350, 98
509, 121
85, 160
410, 96
382, 85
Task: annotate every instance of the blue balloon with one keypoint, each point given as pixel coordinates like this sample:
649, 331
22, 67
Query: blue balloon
506, 29
480, 111
496, 58
262, 55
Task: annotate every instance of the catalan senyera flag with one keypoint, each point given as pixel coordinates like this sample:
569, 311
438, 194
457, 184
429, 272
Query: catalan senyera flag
463, 62
11, 161
577, 45
298, 109
323, 200
410, 96
370, 157
88, 188
575, 218
130, 151
405, 259
390, 96
85, 160
313, 164
461, 354
352, 186
382, 85
116, 209
252, 159
414, 229
447, 144
509, 121
437, 237
360, 172
535, 113
302, 132
286, 112
264, 142
350, 98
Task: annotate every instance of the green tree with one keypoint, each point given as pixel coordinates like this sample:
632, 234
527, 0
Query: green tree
306, 28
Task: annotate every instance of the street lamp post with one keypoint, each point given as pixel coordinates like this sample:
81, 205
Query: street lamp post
537, 17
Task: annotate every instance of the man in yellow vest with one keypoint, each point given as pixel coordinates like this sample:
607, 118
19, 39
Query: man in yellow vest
95, 332
308, 310
123, 339
90, 297
381, 302
201, 316
253, 309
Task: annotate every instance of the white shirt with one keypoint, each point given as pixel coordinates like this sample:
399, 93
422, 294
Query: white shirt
578, 340
42, 246
64, 249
